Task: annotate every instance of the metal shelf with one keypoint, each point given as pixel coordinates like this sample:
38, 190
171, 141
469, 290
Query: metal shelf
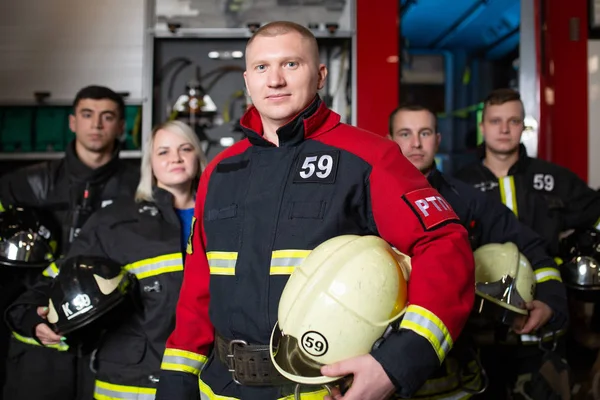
43, 156
230, 33
56, 102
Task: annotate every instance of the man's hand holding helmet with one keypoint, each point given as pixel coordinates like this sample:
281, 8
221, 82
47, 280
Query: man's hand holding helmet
370, 381
43, 332
539, 315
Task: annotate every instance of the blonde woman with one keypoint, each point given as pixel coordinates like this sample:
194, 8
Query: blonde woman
148, 236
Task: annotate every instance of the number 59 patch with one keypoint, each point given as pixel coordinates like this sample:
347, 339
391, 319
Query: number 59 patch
318, 167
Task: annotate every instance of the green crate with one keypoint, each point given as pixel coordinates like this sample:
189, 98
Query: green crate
132, 127
50, 126
15, 133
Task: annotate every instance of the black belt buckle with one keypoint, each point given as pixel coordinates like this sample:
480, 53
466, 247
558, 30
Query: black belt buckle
231, 357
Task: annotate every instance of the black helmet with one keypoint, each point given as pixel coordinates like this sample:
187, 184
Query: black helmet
86, 289
28, 238
581, 268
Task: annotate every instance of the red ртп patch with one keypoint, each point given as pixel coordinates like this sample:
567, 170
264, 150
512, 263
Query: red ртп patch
430, 207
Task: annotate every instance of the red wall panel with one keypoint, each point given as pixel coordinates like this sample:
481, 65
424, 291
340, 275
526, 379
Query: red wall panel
377, 67
563, 84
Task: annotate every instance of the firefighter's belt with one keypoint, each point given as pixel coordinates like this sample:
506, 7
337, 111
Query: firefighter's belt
250, 365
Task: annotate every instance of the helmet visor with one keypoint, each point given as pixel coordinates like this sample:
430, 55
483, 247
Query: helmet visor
504, 292
288, 356
25, 249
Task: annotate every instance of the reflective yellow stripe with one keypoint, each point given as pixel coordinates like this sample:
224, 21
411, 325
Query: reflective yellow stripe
547, 337
222, 262
547, 274
425, 323
183, 361
62, 346
190, 240
206, 393
109, 391
2, 209
156, 266
596, 225
508, 193
51, 271
558, 261
283, 262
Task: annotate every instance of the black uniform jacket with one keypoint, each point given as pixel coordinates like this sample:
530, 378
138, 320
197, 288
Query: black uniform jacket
145, 237
546, 197
58, 187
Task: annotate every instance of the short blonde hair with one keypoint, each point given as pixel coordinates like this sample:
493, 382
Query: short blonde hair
147, 179
277, 28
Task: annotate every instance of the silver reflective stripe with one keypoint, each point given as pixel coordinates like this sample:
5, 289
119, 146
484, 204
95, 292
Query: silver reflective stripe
178, 360
155, 266
287, 262
51, 271
425, 323
116, 394
508, 198
221, 263
546, 274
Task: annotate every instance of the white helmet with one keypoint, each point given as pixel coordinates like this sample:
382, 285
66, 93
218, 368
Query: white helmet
337, 304
504, 280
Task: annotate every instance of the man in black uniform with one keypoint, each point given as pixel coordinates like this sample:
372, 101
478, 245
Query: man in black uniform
546, 197
414, 129
89, 177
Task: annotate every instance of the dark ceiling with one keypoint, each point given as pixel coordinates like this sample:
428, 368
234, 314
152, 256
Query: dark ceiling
489, 28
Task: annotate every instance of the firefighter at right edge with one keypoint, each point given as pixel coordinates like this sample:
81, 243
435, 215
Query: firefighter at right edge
415, 129
300, 178
544, 196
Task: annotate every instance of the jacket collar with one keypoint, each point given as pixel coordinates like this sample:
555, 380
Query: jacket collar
80, 172
314, 120
519, 165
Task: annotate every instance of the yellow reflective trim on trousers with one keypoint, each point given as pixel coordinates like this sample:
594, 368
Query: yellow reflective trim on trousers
284, 262
508, 194
596, 225
183, 361
449, 385
425, 323
547, 274
51, 271
222, 262
2, 209
156, 265
110, 391
206, 393
62, 346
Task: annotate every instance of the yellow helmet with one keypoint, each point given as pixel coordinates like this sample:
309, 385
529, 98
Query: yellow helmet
337, 304
504, 281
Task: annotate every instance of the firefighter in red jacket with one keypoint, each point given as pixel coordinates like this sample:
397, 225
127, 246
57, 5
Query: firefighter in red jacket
300, 178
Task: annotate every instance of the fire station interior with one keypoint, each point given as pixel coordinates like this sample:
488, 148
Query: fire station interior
445, 55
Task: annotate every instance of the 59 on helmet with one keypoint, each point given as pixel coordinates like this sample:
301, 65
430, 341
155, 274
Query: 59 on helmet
28, 238
337, 304
86, 289
581, 269
504, 282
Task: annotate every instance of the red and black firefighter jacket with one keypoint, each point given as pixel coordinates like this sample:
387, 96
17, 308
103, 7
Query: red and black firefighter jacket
260, 209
